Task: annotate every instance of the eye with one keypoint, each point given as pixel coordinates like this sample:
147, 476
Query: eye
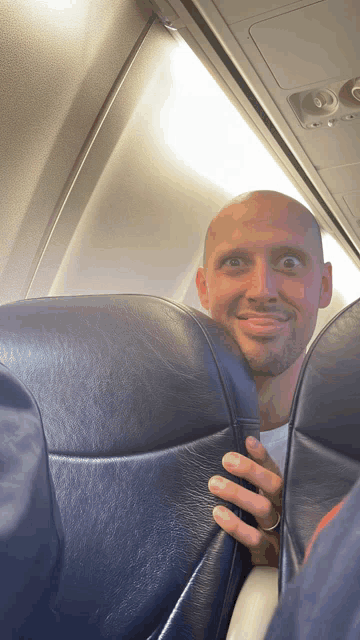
290, 262
233, 262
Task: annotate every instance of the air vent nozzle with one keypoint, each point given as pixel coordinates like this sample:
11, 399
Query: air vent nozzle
319, 102
327, 106
356, 89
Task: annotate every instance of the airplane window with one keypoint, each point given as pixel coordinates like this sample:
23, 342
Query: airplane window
345, 273
346, 282
204, 128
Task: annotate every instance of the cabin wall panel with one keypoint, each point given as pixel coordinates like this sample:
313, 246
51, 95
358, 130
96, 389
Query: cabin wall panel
142, 230
57, 67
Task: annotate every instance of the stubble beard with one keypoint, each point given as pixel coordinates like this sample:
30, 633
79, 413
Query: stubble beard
272, 361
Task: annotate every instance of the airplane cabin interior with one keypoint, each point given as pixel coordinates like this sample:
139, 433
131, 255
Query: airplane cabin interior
126, 126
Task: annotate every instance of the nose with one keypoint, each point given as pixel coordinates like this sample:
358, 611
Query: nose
262, 284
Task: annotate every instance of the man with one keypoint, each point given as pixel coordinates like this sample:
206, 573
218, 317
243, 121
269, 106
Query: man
264, 279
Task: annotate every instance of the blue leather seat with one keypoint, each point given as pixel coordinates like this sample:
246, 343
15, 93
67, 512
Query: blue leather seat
140, 398
323, 458
30, 527
322, 467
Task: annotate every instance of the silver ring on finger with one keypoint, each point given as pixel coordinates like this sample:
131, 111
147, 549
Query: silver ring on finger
275, 525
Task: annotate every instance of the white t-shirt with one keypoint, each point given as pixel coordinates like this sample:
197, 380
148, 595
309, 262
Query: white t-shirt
275, 441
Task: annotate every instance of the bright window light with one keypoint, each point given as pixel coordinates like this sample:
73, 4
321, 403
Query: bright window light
206, 131
345, 273
59, 5
67, 19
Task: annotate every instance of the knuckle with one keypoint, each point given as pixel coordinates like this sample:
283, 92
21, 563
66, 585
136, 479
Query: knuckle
250, 466
264, 508
277, 483
234, 530
256, 541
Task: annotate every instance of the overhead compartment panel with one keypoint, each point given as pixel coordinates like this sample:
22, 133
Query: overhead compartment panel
353, 202
331, 147
318, 42
233, 10
342, 179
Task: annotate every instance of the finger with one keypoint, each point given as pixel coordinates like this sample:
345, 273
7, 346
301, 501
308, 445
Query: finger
259, 506
242, 467
264, 548
260, 454
244, 533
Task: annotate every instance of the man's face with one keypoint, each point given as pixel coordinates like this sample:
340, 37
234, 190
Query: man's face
264, 280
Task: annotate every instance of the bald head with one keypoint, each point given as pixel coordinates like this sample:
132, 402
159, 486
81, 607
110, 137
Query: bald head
248, 207
263, 257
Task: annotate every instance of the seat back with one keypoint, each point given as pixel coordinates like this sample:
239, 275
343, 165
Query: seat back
323, 457
140, 398
30, 527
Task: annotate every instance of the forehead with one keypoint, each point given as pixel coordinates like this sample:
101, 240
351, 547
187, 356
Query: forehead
262, 223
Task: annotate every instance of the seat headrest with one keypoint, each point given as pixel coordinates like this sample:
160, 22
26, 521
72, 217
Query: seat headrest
323, 459
145, 359
327, 401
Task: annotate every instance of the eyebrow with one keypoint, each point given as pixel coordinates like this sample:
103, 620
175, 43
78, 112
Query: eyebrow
281, 248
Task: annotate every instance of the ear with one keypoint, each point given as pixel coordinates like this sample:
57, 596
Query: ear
326, 286
202, 288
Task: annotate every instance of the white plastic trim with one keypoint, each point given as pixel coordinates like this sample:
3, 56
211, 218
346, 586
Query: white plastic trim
255, 605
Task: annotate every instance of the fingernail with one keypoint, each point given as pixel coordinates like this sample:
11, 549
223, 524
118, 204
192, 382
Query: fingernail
217, 482
221, 512
232, 458
253, 442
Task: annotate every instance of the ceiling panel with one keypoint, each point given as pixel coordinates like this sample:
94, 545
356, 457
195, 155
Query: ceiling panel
331, 147
353, 202
316, 44
233, 10
342, 179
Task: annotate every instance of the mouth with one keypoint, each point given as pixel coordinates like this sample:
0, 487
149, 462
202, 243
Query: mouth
263, 325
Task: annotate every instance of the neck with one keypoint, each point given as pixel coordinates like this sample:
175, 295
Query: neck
275, 396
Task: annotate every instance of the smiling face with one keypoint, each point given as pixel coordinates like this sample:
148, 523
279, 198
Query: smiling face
264, 279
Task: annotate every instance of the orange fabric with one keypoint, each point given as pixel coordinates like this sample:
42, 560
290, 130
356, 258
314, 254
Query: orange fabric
322, 524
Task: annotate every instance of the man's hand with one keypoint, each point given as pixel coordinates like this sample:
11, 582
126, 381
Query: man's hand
263, 473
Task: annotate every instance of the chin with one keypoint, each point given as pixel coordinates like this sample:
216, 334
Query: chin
268, 370
273, 362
